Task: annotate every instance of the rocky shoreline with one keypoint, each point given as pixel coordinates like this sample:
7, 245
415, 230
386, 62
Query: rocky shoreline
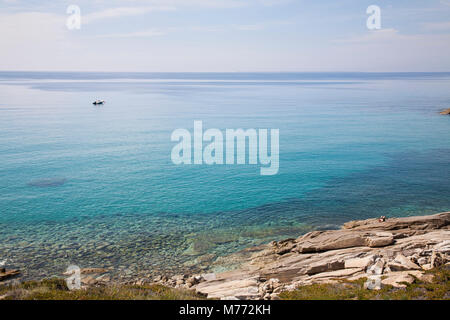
387, 252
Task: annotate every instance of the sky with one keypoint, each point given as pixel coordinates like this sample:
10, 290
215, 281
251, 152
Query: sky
225, 36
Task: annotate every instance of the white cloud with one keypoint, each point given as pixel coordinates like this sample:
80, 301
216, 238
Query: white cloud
184, 3
390, 50
22, 28
41, 41
123, 11
200, 3
249, 27
382, 35
435, 26
137, 34
30, 38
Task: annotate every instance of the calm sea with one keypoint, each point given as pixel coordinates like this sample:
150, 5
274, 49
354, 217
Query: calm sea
95, 185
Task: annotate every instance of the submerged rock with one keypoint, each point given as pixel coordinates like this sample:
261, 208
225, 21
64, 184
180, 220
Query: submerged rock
50, 182
7, 274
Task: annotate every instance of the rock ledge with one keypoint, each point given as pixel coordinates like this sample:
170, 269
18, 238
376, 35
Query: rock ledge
386, 252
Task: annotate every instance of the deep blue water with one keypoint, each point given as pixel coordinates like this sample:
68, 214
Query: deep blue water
95, 185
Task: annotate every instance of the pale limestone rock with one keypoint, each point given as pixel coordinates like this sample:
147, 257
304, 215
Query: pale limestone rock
191, 281
362, 263
407, 226
443, 247
269, 286
274, 296
88, 280
398, 279
324, 267
157, 278
425, 277
103, 278
217, 289
93, 270
329, 240
284, 246
209, 276
437, 259
427, 266
375, 242
179, 282
343, 273
422, 261
402, 263
229, 298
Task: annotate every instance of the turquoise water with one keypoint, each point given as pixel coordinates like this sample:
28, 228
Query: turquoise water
95, 185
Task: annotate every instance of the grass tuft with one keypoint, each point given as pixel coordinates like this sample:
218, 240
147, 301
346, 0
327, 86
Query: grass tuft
438, 289
56, 289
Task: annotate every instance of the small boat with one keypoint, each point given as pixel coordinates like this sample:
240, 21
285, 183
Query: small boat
98, 102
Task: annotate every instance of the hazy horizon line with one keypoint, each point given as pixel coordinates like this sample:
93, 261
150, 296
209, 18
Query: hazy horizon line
103, 71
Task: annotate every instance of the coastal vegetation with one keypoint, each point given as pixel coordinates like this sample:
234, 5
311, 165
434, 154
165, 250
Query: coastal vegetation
56, 289
437, 289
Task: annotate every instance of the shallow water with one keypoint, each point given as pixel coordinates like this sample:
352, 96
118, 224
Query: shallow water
95, 186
